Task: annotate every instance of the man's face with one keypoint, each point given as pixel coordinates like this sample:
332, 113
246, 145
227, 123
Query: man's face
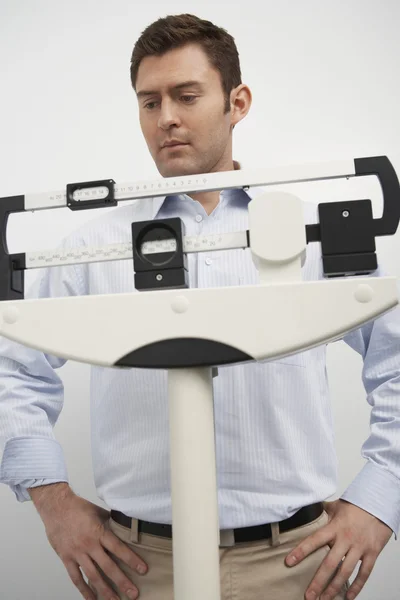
181, 98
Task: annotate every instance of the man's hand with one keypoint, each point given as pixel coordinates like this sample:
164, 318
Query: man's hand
78, 531
353, 534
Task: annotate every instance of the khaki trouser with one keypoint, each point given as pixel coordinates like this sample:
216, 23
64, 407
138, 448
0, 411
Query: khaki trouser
249, 570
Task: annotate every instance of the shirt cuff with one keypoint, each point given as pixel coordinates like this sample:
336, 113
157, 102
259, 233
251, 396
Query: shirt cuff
32, 461
377, 491
21, 490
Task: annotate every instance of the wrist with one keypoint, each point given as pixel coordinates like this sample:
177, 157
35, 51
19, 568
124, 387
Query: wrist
48, 496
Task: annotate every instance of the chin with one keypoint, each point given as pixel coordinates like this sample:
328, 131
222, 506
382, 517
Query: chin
176, 170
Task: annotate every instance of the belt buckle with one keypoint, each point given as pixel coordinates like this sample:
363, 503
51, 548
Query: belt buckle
226, 538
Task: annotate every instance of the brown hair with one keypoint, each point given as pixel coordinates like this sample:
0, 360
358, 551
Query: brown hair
174, 31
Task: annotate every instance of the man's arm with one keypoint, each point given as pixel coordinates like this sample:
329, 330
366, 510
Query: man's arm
31, 396
376, 488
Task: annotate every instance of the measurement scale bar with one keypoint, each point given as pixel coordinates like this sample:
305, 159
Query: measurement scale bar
70, 256
207, 182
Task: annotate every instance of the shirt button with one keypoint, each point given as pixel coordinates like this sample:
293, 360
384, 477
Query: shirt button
208, 261
199, 218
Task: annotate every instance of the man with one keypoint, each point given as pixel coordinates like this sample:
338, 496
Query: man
275, 444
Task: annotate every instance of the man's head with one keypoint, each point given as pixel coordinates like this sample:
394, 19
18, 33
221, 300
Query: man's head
186, 74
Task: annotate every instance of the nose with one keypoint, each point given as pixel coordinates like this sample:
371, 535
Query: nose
168, 115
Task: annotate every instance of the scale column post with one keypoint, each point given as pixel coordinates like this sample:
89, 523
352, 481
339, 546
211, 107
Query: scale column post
195, 518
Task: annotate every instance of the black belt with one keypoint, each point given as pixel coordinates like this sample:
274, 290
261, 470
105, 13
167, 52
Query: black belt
243, 534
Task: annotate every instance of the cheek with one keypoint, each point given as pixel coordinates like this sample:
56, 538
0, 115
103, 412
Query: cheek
214, 132
147, 131
151, 142
204, 131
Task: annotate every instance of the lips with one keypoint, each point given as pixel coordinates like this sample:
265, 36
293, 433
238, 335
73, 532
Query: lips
174, 145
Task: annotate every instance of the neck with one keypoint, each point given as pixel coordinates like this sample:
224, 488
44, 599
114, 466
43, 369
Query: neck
210, 200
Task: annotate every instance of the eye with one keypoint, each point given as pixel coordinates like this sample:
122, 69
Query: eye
150, 105
189, 98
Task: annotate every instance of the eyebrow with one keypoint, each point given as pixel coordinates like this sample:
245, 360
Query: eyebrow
175, 87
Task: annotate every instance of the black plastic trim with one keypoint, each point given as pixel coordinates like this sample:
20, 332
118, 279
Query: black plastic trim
86, 204
383, 169
12, 283
313, 233
183, 352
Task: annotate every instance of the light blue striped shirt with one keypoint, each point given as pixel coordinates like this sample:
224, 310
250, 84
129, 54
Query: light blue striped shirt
275, 442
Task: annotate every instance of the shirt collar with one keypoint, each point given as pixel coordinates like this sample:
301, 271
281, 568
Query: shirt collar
251, 192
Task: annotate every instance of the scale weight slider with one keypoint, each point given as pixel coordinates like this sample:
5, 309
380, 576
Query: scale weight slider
158, 258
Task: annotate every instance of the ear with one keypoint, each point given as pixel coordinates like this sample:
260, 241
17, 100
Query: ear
240, 100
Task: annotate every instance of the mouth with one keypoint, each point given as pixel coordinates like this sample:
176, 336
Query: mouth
173, 146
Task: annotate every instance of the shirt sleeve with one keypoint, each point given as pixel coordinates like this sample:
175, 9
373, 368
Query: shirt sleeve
376, 488
32, 394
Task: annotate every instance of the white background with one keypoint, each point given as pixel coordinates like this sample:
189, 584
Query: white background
324, 77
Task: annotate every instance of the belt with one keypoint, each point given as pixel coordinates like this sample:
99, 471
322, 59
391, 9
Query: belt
243, 534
